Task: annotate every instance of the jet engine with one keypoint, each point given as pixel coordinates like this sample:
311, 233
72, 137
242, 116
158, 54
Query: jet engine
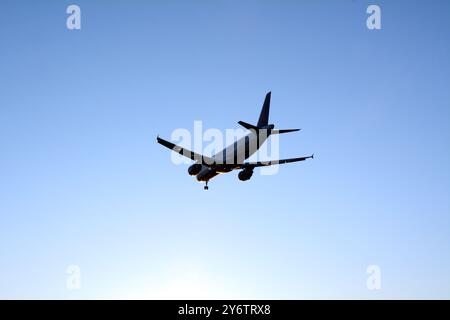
245, 174
194, 169
205, 174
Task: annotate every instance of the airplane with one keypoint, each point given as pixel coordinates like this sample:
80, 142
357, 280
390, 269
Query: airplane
233, 157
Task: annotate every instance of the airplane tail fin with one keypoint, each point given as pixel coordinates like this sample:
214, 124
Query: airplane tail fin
264, 116
263, 120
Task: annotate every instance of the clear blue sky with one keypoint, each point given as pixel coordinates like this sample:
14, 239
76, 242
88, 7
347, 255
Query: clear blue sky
83, 182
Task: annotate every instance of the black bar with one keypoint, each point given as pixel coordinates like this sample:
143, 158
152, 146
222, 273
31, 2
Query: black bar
228, 309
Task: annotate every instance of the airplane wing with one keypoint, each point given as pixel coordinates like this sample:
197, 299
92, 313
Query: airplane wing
185, 152
272, 162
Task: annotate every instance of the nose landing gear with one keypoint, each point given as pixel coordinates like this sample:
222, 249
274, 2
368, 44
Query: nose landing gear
206, 186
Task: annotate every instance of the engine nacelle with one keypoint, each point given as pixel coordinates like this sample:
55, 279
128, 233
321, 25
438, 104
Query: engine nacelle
205, 174
245, 174
194, 169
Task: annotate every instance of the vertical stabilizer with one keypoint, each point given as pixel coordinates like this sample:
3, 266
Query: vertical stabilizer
264, 116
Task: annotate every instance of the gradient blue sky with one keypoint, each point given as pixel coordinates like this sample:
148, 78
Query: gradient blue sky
83, 181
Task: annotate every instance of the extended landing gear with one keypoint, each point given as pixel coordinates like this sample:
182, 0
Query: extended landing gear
206, 186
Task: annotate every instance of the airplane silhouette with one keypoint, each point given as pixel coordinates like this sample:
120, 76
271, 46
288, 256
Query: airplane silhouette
233, 157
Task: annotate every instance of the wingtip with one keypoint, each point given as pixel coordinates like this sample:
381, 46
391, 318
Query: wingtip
312, 156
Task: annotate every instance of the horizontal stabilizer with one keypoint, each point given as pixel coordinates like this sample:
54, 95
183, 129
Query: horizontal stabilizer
248, 126
283, 131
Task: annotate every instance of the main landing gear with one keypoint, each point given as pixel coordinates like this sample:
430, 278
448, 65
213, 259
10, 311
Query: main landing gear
206, 186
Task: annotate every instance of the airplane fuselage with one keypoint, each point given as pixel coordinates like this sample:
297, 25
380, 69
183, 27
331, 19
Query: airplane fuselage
234, 154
